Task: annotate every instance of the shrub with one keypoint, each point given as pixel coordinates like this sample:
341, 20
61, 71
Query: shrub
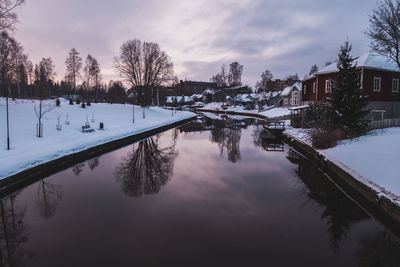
88, 104
83, 105
78, 101
58, 102
326, 136
71, 102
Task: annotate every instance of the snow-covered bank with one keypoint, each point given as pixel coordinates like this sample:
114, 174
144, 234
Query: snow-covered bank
28, 151
376, 157
373, 159
272, 112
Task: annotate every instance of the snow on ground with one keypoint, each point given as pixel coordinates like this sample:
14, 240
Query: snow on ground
28, 151
276, 112
373, 159
270, 113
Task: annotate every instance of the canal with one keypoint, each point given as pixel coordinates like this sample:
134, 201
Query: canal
213, 192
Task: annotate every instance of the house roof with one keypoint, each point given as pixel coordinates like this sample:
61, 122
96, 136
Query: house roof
288, 90
368, 60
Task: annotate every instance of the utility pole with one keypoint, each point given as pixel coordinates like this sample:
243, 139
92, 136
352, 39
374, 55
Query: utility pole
8, 124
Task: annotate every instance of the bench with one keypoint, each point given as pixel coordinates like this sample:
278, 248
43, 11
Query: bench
87, 129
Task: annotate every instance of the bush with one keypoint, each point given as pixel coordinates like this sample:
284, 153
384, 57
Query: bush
326, 136
83, 105
71, 102
88, 104
78, 101
58, 102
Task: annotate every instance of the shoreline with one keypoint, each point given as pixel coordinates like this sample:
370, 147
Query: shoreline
28, 176
343, 176
247, 114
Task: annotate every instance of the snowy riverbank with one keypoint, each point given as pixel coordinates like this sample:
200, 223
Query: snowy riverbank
271, 112
372, 159
28, 151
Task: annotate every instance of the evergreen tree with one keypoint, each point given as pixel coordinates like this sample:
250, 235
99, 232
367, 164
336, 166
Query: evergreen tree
347, 104
314, 69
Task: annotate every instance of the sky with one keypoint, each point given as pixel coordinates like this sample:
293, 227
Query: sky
283, 36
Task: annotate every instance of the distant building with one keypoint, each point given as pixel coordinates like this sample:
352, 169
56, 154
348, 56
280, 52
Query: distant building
379, 79
233, 91
291, 95
189, 88
279, 85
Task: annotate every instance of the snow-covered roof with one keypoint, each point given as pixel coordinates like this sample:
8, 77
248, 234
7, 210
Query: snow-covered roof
209, 91
368, 60
196, 96
254, 96
288, 90
234, 87
186, 99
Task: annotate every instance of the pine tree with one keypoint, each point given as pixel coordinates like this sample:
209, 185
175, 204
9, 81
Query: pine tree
348, 105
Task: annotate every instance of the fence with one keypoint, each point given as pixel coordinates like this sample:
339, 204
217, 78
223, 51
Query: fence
384, 124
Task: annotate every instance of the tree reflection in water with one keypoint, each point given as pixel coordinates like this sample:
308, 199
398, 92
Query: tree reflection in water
13, 234
227, 135
379, 249
47, 198
78, 168
338, 211
147, 168
93, 163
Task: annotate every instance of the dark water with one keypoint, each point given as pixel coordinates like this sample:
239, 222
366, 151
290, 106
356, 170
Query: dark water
212, 193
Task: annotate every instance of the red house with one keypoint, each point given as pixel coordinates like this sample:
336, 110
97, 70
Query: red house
379, 79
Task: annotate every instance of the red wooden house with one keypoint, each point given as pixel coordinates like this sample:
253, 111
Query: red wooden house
379, 79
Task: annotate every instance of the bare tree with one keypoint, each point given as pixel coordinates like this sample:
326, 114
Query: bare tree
235, 74
220, 78
7, 17
92, 73
145, 66
384, 30
44, 73
9, 50
73, 64
41, 109
264, 86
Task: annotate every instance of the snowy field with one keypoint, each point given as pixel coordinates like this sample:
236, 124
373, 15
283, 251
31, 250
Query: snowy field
28, 151
373, 159
270, 113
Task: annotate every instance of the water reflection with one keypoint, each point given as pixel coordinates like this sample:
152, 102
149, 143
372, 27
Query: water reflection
78, 168
93, 163
379, 249
266, 140
247, 212
339, 212
13, 235
47, 198
225, 131
147, 168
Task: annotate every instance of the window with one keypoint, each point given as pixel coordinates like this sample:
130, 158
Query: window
395, 85
286, 101
305, 90
295, 98
377, 84
314, 87
328, 86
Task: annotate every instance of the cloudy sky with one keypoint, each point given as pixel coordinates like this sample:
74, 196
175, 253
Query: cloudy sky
284, 36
